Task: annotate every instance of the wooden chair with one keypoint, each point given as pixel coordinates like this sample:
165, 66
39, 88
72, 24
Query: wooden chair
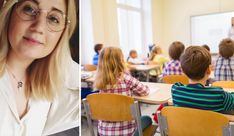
224, 84
171, 79
114, 107
90, 67
179, 121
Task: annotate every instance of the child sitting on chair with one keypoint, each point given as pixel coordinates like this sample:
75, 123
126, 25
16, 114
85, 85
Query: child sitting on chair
195, 63
133, 58
112, 77
157, 58
173, 66
224, 67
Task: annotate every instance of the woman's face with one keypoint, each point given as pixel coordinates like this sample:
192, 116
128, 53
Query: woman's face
35, 27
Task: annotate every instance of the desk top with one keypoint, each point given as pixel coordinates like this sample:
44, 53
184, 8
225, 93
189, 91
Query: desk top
159, 93
143, 67
87, 76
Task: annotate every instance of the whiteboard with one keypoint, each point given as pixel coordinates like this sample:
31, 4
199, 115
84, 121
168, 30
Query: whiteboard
210, 29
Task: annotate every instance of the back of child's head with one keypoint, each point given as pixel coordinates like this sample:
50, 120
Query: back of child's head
195, 62
110, 66
133, 53
206, 47
155, 50
226, 48
98, 47
176, 49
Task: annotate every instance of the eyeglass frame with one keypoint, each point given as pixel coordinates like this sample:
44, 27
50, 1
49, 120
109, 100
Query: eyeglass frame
38, 11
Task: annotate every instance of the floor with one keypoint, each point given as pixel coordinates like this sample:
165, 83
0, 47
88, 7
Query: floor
145, 110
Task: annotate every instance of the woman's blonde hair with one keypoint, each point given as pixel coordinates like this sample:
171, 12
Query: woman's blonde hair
111, 66
45, 76
156, 50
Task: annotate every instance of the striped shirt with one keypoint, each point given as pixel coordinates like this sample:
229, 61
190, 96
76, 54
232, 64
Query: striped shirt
202, 97
173, 67
224, 69
127, 85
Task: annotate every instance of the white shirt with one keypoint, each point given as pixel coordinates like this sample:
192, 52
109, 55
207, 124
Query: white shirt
43, 117
136, 60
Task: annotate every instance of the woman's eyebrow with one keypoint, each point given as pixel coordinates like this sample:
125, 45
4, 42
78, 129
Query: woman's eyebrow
53, 8
56, 9
35, 1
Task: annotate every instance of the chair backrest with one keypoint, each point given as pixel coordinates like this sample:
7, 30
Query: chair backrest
90, 67
224, 84
171, 79
179, 121
111, 107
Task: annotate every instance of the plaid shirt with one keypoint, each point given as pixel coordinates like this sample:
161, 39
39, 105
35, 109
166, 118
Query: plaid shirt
127, 85
173, 67
224, 69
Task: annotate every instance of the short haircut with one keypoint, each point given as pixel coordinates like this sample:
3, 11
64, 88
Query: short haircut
132, 51
98, 47
176, 49
226, 48
195, 61
206, 46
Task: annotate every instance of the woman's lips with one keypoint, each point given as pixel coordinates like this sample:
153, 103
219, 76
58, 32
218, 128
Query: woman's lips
33, 41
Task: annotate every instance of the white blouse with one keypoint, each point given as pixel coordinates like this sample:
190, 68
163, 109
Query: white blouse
43, 117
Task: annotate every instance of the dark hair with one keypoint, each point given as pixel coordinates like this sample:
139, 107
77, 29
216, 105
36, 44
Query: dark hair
206, 47
226, 48
195, 61
98, 47
176, 49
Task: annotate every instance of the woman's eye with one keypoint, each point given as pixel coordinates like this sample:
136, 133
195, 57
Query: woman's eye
54, 19
29, 10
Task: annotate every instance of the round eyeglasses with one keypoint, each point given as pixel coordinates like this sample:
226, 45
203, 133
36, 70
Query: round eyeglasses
28, 10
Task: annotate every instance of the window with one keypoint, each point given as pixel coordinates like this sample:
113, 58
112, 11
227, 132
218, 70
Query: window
134, 24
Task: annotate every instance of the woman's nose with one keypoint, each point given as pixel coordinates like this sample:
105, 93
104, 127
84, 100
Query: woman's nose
39, 24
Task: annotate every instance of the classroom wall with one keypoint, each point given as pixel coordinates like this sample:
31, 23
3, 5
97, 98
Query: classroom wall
170, 21
175, 15
98, 25
105, 23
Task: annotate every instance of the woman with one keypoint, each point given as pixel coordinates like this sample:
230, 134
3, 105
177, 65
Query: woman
34, 92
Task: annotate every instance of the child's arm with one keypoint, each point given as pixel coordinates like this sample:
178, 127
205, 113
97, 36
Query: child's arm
228, 101
136, 86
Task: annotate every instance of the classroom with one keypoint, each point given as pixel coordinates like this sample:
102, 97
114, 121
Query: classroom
157, 67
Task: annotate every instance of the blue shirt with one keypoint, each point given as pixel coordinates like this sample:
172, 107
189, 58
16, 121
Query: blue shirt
95, 59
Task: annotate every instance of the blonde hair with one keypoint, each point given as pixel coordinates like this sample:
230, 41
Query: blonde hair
45, 76
111, 66
156, 50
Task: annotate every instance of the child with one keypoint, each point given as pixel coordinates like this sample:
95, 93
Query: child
224, 67
206, 47
173, 66
156, 57
112, 78
195, 63
97, 49
133, 58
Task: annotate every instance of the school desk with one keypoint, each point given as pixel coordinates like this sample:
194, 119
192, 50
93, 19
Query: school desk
144, 68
